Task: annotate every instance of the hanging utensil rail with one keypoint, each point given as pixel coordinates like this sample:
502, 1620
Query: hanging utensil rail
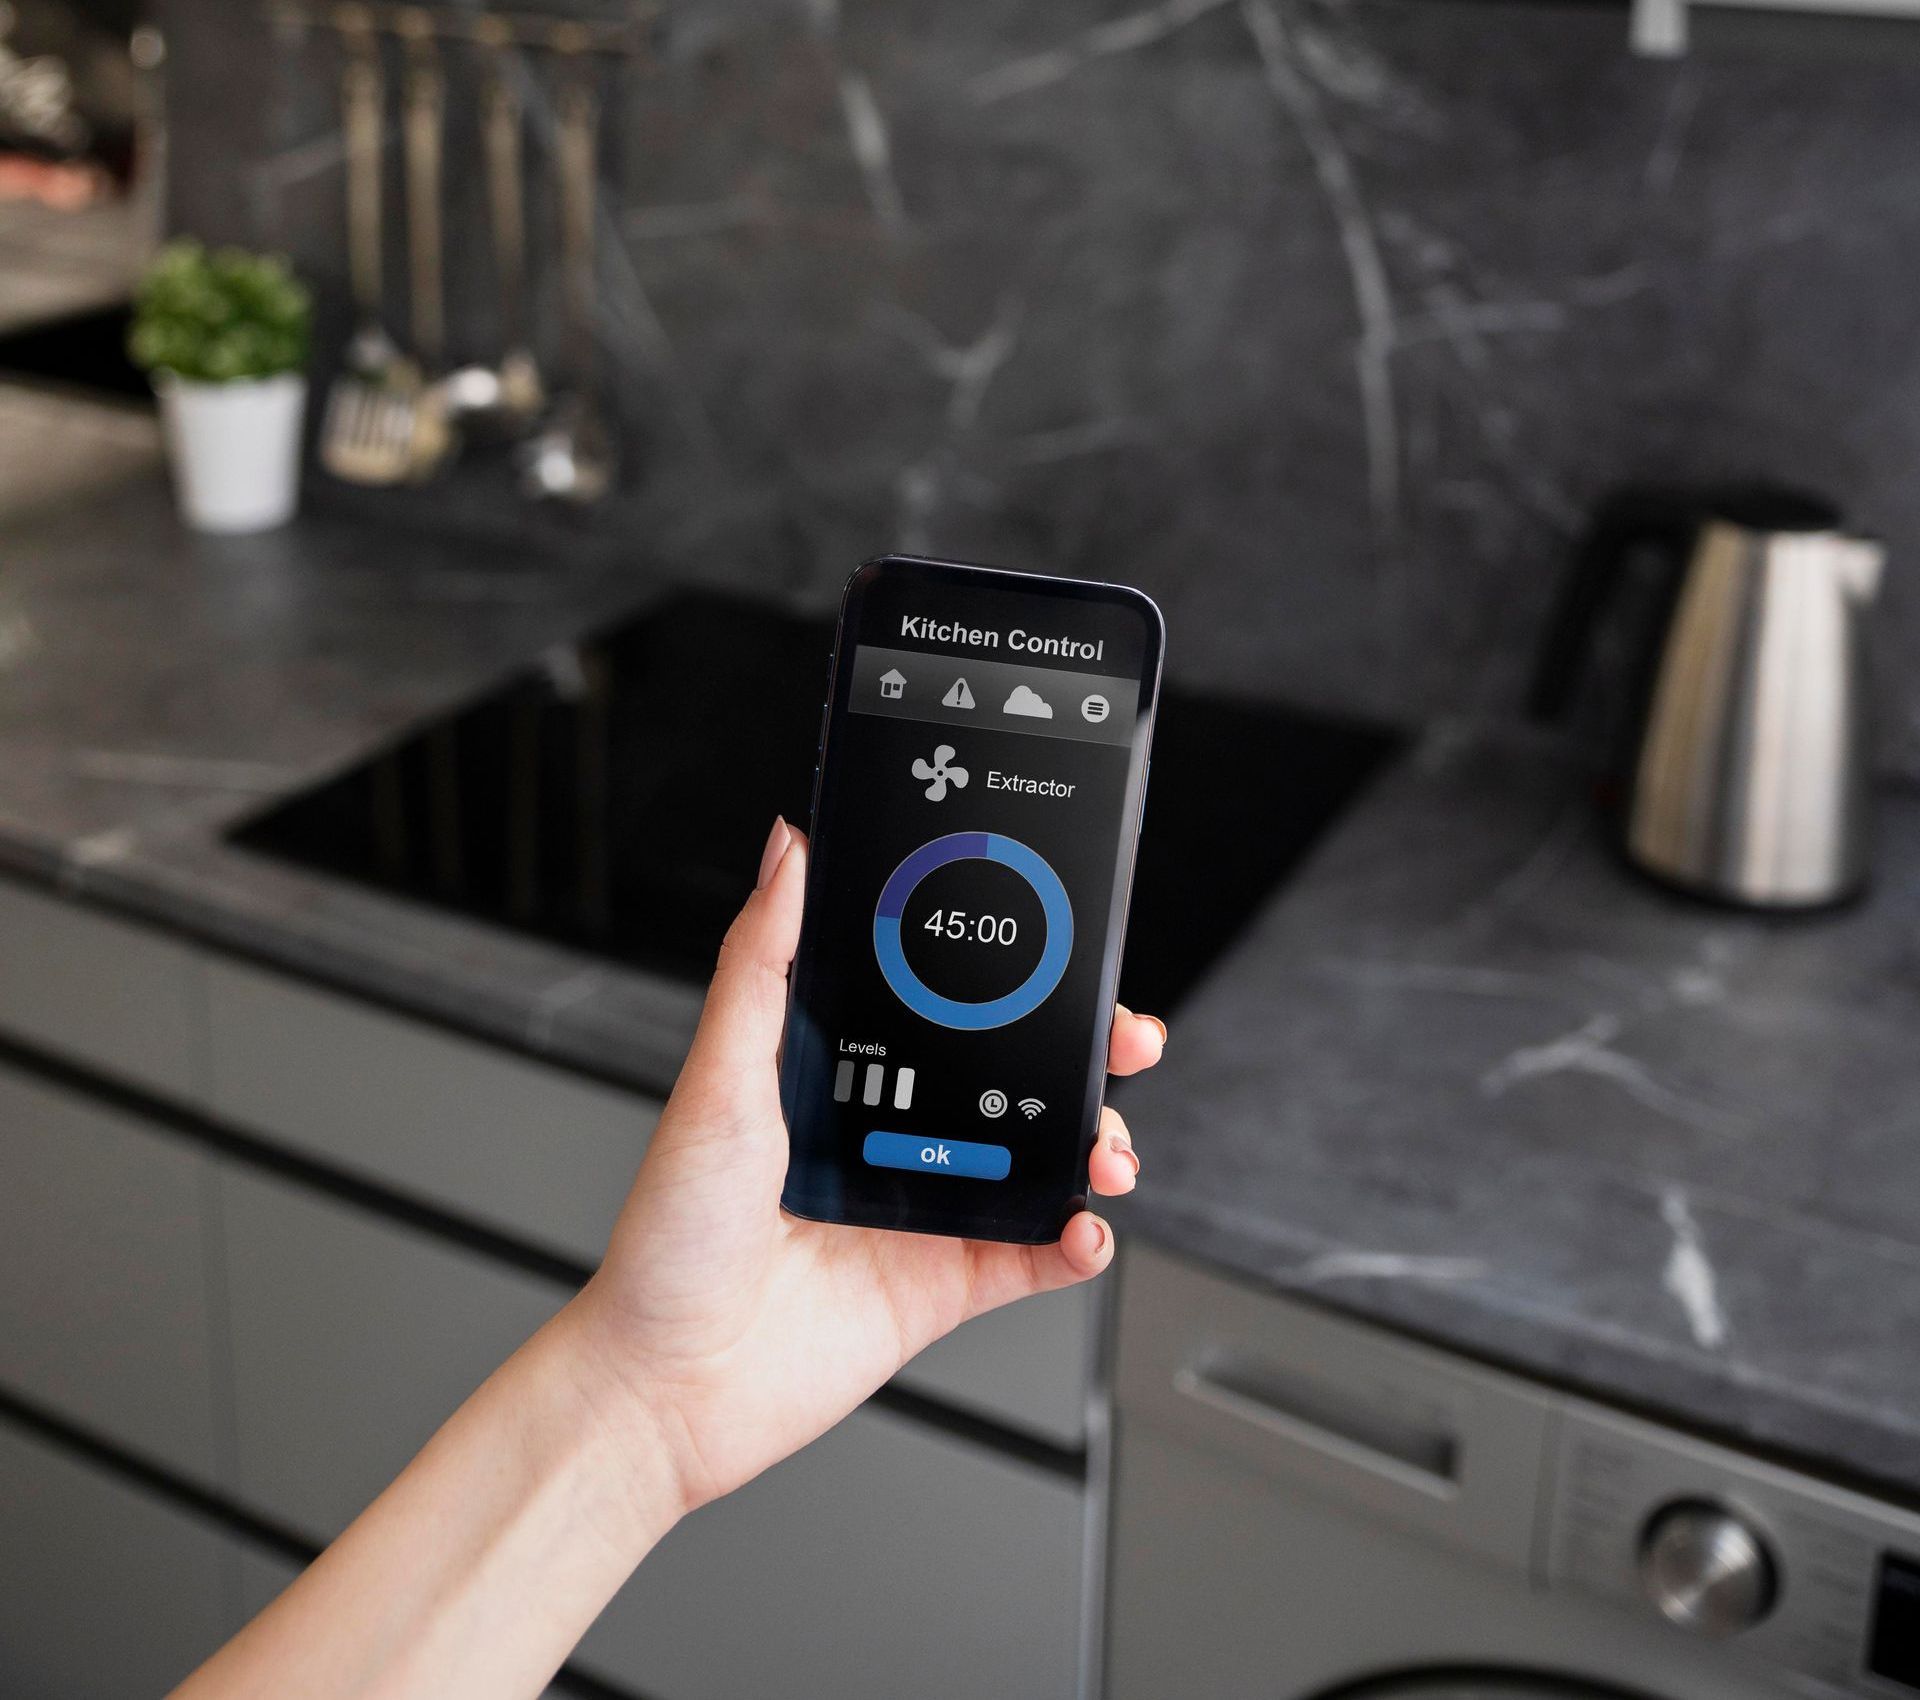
630, 36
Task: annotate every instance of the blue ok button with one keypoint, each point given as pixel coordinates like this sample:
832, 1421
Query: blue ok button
938, 1156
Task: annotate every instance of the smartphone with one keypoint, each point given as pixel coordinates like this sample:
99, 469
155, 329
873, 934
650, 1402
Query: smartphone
983, 768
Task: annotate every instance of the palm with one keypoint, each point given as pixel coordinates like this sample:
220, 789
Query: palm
760, 1329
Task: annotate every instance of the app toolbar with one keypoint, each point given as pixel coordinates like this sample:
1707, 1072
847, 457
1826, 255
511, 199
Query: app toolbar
1004, 696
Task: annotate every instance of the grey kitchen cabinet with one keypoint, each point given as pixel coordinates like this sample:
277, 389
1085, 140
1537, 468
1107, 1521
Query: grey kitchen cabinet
264, 1576
106, 1316
240, 1327
105, 1590
887, 1558
1030, 1364
530, 1150
548, 1157
353, 1339
98, 991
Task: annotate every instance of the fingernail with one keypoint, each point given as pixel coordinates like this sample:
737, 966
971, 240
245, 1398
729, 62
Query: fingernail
1121, 1146
777, 842
1159, 1027
1099, 1236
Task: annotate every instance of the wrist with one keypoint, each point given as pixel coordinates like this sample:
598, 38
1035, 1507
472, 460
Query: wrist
639, 1480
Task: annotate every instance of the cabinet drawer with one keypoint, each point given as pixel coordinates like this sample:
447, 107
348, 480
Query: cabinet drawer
352, 1341
99, 991
107, 1592
264, 1577
532, 1151
886, 1559
549, 1157
104, 1314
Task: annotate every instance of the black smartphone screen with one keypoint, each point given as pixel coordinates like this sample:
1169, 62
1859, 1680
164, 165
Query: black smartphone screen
982, 773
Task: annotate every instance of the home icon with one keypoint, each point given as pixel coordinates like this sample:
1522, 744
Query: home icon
892, 682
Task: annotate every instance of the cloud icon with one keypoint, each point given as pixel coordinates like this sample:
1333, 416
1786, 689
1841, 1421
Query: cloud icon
1025, 700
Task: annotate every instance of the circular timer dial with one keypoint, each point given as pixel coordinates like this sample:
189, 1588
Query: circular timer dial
1025, 998
973, 930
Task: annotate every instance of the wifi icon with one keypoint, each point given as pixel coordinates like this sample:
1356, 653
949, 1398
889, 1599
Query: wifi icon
1031, 1107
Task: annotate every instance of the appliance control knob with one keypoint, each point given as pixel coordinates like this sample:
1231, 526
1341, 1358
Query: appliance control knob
1707, 1569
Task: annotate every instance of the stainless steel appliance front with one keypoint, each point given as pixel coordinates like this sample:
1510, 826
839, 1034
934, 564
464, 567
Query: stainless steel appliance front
1307, 1507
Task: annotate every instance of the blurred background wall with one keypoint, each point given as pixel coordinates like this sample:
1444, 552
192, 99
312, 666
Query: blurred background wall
1326, 323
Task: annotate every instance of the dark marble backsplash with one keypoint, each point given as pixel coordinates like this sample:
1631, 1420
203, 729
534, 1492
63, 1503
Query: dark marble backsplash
1326, 323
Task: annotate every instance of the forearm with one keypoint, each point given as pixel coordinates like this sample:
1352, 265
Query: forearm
480, 1567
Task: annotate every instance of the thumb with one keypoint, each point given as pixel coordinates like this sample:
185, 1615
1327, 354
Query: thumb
737, 1046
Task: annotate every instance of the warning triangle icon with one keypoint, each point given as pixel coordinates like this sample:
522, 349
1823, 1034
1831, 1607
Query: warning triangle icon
958, 696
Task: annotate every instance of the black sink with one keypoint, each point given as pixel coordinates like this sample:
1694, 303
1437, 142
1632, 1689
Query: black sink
84, 351
614, 797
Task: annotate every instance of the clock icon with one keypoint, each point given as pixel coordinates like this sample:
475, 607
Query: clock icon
1025, 998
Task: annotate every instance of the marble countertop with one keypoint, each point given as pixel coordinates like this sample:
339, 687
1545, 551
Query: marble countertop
1464, 1076
1472, 1077
157, 687
55, 449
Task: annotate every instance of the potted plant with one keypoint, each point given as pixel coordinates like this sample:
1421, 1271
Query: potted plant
224, 334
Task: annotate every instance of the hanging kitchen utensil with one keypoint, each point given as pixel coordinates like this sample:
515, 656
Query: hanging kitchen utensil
423, 120
572, 459
1751, 778
366, 436
508, 397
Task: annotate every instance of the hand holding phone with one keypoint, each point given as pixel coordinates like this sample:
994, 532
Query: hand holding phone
756, 1328
718, 1336
983, 770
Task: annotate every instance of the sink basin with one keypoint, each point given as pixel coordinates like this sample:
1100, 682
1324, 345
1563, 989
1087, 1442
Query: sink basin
614, 796
83, 351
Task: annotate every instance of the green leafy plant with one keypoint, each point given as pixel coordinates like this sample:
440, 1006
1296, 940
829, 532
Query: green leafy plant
220, 316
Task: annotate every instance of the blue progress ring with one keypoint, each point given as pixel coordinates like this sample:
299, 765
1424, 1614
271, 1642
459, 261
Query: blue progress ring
1025, 998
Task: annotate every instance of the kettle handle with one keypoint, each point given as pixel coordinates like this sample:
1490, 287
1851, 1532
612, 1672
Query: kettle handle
1625, 522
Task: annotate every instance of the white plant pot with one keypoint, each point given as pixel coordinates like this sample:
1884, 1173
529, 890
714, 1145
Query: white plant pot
236, 450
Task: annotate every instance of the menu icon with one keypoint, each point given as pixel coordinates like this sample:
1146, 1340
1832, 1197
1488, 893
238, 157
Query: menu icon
958, 695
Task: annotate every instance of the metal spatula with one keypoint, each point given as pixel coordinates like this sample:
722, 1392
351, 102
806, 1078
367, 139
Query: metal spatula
367, 434
574, 459
505, 398
423, 116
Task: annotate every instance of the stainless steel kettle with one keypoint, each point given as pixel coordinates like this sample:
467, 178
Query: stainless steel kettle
1751, 772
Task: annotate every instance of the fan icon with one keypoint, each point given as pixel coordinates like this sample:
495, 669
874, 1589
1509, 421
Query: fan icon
940, 771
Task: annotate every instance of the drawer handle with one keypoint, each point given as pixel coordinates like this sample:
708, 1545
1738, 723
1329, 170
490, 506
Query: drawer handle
1338, 1422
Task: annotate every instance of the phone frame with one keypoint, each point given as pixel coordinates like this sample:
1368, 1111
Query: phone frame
1043, 1223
